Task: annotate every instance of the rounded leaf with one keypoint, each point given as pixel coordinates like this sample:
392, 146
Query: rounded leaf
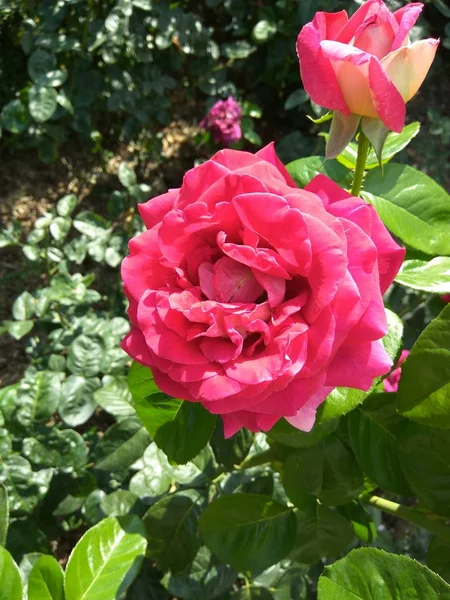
42, 103
46, 580
15, 116
10, 582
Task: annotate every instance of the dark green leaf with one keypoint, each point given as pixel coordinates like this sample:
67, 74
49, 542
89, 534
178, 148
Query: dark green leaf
40, 63
15, 116
338, 403
425, 460
295, 99
25, 488
327, 471
41, 103
321, 532
147, 585
361, 521
106, 560
38, 398
54, 78
77, 404
371, 574
286, 434
10, 583
401, 196
430, 276
233, 450
372, 430
46, 581
438, 557
248, 531
4, 514
65, 450
425, 383
118, 503
172, 532
155, 477
305, 169
205, 578
121, 446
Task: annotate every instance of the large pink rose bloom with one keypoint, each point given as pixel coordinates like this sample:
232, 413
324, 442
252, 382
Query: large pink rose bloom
256, 298
365, 65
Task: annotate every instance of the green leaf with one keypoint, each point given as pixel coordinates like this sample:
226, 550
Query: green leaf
10, 582
23, 307
66, 205
172, 532
424, 387
15, 116
126, 174
321, 532
77, 404
18, 329
41, 103
231, 451
119, 503
86, 355
179, 428
92, 225
147, 585
327, 471
65, 450
402, 199
155, 478
338, 403
205, 578
40, 63
121, 446
46, 581
4, 514
106, 560
394, 143
371, 574
54, 78
305, 169
248, 531
392, 341
115, 398
372, 429
438, 557
38, 398
360, 520
25, 488
263, 31
430, 276
425, 460
295, 99
286, 434
60, 227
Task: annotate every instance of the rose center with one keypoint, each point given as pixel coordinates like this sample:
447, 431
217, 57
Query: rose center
229, 281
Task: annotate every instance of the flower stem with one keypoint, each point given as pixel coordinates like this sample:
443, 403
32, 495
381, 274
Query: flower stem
429, 521
358, 176
258, 459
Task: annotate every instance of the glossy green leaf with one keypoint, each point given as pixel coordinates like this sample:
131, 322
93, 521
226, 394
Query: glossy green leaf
127, 176
40, 63
106, 560
204, 578
38, 398
86, 356
46, 580
25, 487
15, 116
4, 514
77, 403
41, 103
321, 532
118, 503
372, 429
402, 199
371, 574
23, 306
429, 276
248, 531
18, 329
155, 477
263, 31
424, 389
338, 403
425, 460
10, 582
305, 169
360, 520
65, 449
91, 224
60, 227
392, 341
115, 398
172, 532
121, 446
66, 205
327, 471
233, 450
286, 434
438, 557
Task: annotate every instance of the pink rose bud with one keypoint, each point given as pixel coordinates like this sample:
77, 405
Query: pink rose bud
390, 384
224, 121
365, 65
255, 297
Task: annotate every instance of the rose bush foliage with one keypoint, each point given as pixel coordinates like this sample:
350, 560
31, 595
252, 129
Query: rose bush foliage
257, 298
365, 65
